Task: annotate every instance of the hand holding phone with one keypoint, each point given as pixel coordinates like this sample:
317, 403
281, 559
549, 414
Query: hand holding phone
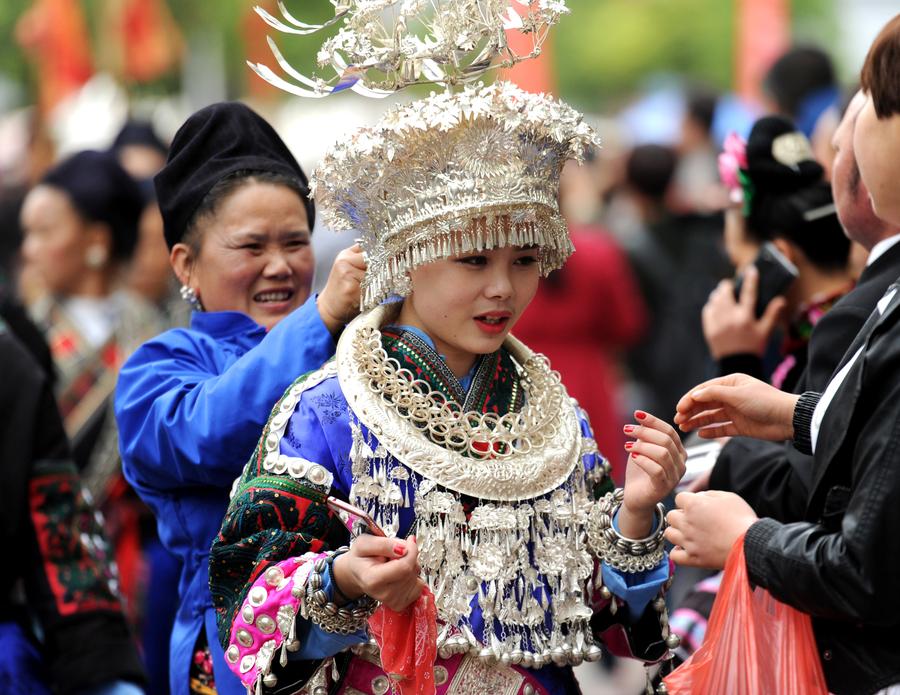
776, 273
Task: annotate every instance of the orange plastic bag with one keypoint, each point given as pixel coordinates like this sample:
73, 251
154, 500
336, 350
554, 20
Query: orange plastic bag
753, 645
408, 644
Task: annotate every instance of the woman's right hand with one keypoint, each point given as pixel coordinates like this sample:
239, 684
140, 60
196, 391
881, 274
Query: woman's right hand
737, 405
386, 569
338, 302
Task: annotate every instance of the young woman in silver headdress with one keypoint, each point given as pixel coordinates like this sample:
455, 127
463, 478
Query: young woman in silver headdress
452, 435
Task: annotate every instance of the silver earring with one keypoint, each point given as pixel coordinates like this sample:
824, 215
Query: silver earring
190, 296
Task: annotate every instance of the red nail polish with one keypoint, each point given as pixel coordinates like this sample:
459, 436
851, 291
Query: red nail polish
640, 414
628, 445
628, 429
399, 550
634, 454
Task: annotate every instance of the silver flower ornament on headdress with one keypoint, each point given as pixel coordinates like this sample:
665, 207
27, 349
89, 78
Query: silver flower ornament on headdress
452, 174
385, 45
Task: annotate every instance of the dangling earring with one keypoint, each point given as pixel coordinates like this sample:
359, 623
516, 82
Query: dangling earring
190, 296
95, 257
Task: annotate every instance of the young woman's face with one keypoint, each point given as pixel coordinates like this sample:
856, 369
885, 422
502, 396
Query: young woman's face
255, 254
877, 145
56, 239
468, 304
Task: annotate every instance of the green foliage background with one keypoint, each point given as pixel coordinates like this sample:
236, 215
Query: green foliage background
603, 50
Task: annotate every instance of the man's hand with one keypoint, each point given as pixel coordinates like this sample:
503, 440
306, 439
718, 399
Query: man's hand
737, 405
705, 526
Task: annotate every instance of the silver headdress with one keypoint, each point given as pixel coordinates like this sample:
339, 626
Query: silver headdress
453, 173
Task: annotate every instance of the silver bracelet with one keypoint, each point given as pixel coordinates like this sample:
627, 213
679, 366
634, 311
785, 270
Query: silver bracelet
326, 614
616, 550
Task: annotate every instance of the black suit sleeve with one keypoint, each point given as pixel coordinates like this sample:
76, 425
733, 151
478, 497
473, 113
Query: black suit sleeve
846, 566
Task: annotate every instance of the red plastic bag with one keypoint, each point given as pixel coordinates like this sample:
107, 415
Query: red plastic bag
753, 645
408, 644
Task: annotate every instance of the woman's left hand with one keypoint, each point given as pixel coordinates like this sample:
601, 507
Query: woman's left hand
705, 526
655, 465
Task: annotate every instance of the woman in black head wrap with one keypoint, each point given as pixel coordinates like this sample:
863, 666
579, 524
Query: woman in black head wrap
190, 403
786, 202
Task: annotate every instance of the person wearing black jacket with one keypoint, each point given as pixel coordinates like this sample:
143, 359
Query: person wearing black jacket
56, 575
774, 477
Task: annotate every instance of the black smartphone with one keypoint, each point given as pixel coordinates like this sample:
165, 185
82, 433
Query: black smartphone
776, 273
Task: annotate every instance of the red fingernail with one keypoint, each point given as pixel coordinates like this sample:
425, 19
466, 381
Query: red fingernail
628, 429
628, 445
640, 414
399, 550
634, 454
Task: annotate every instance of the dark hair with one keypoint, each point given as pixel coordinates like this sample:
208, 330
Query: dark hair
650, 168
798, 73
701, 106
880, 76
224, 188
792, 200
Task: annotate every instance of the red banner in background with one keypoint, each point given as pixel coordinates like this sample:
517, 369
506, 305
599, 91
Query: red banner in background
151, 42
53, 33
763, 30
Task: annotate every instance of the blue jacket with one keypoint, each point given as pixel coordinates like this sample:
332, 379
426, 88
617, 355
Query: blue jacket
190, 405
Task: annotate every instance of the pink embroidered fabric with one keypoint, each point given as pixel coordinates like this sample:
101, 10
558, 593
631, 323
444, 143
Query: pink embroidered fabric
267, 618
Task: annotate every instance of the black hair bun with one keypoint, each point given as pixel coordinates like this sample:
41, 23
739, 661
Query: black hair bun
780, 158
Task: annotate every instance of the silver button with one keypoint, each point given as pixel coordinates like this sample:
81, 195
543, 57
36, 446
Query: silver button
380, 685
247, 614
265, 624
274, 575
529, 689
247, 663
440, 675
232, 654
258, 596
245, 638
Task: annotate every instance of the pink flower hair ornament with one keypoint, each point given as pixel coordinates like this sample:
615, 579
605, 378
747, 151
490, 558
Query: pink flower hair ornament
732, 159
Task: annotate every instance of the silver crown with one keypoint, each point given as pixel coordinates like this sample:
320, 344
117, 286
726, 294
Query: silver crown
385, 45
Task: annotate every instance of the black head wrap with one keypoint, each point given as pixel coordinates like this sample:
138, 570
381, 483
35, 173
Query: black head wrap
139, 133
102, 191
790, 197
215, 142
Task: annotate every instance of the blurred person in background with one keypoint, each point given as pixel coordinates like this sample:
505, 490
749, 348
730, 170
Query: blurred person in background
696, 184
802, 86
191, 403
142, 154
80, 228
583, 317
62, 629
785, 201
678, 260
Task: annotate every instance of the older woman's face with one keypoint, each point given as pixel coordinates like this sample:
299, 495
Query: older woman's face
877, 146
255, 254
56, 240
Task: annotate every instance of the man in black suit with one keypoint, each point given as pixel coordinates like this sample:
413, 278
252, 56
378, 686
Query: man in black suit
774, 478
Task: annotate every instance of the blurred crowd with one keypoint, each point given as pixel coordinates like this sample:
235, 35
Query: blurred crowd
695, 258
